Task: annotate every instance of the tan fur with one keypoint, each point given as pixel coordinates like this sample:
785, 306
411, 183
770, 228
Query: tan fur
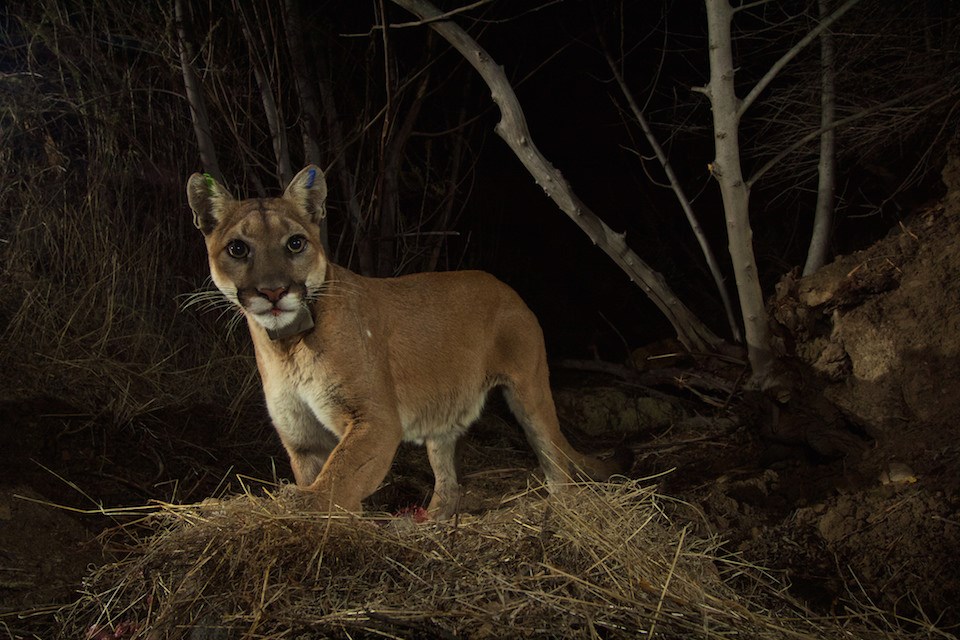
391, 359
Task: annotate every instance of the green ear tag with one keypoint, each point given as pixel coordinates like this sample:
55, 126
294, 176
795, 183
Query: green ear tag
211, 183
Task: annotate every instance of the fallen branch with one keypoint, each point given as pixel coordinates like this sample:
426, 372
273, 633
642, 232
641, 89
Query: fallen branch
680, 378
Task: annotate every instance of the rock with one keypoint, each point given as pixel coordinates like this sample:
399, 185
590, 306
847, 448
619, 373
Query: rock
602, 410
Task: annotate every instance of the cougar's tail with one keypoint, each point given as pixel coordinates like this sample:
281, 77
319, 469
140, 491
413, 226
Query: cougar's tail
561, 463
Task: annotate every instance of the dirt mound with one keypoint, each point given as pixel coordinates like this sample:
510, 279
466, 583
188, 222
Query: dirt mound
877, 337
881, 329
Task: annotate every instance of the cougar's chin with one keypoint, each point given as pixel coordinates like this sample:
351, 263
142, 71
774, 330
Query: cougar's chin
275, 320
274, 317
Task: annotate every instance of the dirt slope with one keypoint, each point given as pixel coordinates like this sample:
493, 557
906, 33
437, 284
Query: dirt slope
877, 337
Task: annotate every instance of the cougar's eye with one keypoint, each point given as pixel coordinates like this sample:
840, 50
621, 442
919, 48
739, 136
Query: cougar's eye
296, 244
238, 249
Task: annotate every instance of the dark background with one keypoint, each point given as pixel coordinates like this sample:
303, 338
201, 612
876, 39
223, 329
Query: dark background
98, 143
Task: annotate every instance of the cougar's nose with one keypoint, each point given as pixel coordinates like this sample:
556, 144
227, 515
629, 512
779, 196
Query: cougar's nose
273, 295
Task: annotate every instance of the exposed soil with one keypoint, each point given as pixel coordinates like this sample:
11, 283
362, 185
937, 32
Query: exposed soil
849, 491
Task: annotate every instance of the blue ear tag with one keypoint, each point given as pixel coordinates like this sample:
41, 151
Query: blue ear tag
313, 176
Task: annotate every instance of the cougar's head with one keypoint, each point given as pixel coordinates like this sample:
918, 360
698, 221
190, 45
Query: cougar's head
265, 254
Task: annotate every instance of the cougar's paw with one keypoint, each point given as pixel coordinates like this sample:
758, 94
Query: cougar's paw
329, 503
317, 501
444, 506
295, 498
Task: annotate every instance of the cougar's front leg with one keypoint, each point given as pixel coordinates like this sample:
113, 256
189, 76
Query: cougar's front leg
307, 441
306, 462
360, 462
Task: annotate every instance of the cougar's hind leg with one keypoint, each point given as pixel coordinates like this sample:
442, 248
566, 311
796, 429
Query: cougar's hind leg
446, 489
537, 416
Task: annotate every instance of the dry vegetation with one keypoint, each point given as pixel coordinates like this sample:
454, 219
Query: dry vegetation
97, 248
93, 257
603, 561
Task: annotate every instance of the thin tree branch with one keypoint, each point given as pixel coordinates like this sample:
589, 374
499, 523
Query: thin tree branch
790, 55
681, 197
278, 132
308, 93
443, 16
751, 5
836, 124
198, 106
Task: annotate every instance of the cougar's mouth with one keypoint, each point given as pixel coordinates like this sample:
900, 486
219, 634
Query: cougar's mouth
281, 310
281, 318
276, 311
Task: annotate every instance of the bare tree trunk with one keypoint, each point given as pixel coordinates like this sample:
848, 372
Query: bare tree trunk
278, 132
727, 112
827, 168
736, 194
684, 202
513, 129
307, 92
198, 106
306, 86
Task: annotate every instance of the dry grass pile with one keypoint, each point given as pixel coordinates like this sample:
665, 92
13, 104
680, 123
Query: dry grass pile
601, 561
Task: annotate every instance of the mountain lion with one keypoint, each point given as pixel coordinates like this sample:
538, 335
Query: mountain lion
353, 365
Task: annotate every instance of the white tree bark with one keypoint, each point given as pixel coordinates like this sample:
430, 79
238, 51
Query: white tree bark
736, 195
827, 167
513, 129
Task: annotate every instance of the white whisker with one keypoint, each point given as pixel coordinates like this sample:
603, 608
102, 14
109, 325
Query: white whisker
206, 300
234, 322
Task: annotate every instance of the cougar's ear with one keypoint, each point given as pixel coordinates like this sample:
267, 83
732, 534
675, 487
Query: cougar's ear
308, 190
207, 198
